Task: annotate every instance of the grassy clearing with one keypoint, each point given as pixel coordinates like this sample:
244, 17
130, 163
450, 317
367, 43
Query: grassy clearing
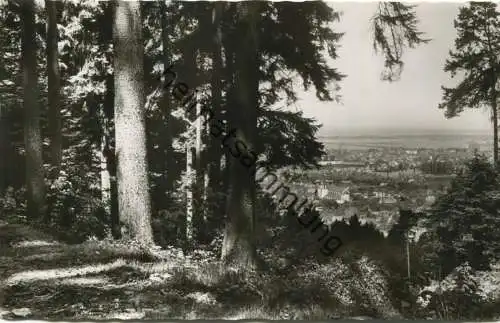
105, 280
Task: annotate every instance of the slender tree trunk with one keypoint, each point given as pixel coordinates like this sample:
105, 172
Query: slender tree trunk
108, 177
32, 132
55, 123
190, 71
130, 130
206, 183
194, 173
166, 104
105, 176
189, 193
200, 211
239, 246
4, 150
495, 128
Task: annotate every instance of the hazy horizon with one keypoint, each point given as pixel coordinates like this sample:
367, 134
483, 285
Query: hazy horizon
395, 130
397, 138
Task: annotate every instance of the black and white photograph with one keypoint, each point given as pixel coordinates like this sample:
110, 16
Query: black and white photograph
265, 160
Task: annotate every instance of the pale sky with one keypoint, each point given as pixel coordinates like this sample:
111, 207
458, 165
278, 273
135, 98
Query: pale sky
411, 102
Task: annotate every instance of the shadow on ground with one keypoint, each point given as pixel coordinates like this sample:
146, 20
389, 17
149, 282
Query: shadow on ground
104, 280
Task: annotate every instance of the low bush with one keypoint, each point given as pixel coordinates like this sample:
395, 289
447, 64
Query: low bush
75, 211
454, 298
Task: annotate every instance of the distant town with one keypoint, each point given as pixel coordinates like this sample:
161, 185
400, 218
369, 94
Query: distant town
377, 183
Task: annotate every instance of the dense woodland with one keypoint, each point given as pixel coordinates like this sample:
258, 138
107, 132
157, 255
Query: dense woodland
102, 147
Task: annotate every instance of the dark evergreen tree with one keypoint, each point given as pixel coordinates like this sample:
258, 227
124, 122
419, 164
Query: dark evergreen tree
55, 129
394, 30
32, 131
466, 218
475, 59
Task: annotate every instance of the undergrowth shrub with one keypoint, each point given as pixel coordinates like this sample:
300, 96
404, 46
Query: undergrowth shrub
75, 210
213, 209
455, 297
12, 203
168, 226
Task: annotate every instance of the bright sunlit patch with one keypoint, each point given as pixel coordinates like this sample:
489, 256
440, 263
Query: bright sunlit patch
35, 243
202, 298
85, 281
130, 315
35, 275
252, 313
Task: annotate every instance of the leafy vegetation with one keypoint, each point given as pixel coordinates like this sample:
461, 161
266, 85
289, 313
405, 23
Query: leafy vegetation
466, 218
113, 192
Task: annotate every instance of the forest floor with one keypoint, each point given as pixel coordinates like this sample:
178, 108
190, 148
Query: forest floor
46, 279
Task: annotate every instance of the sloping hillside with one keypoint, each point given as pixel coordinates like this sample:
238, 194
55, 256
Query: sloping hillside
40, 278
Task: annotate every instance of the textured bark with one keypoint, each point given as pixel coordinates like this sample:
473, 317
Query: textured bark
194, 174
228, 73
239, 246
55, 123
106, 34
198, 152
214, 153
4, 150
105, 177
206, 182
189, 194
110, 156
166, 104
495, 127
32, 133
133, 185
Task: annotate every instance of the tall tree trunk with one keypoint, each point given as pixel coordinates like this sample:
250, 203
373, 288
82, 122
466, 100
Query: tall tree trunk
201, 214
55, 124
166, 104
495, 127
108, 179
229, 75
214, 153
194, 173
206, 183
32, 132
189, 193
109, 153
4, 150
239, 246
130, 129
190, 70
105, 175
